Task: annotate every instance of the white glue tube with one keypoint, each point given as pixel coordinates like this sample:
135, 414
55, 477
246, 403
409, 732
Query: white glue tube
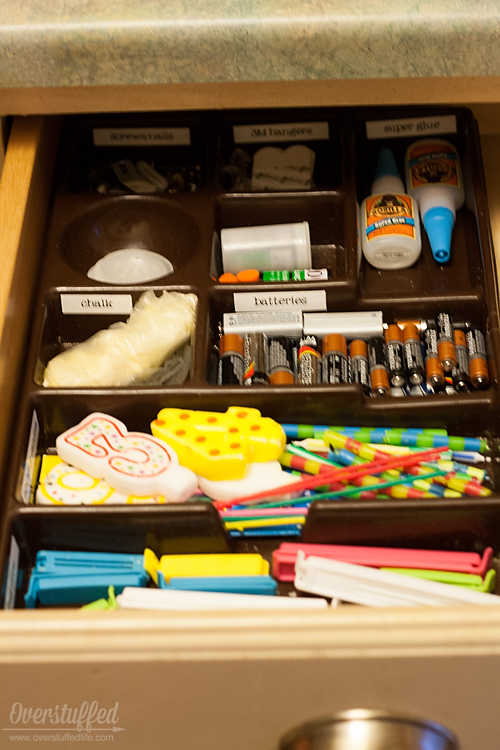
434, 180
389, 222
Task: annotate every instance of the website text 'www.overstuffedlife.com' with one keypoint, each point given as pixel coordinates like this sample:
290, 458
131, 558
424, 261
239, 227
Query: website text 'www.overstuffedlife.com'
88, 722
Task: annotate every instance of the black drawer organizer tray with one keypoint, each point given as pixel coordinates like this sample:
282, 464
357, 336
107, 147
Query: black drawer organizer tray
82, 226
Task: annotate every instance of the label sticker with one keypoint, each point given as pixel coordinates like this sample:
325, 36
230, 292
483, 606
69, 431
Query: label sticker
389, 214
264, 301
288, 131
11, 575
30, 461
432, 163
141, 136
411, 126
96, 304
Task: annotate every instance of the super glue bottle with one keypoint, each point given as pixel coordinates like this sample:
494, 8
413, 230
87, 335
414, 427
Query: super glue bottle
390, 225
434, 179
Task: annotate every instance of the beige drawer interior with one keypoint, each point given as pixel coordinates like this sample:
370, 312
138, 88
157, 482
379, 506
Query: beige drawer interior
223, 680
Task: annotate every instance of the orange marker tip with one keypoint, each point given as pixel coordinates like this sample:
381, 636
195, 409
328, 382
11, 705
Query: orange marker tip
248, 275
228, 278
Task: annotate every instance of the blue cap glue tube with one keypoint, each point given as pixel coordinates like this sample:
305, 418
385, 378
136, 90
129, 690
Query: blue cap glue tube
389, 221
434, 180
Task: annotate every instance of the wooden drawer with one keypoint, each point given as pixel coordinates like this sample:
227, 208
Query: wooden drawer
222, 680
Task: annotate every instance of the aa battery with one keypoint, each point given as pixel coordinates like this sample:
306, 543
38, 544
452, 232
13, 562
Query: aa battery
445, 341
413, 354
433, 370
419, 322
379, 377
477, 351
460, 373
359, 367
280, 361
231, 365
334, 365
256, 354
394, 353
309, 361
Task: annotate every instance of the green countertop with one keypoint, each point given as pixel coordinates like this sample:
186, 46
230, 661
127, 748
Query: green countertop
57, 43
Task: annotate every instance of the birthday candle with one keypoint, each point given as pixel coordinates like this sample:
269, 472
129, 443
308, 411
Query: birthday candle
336, 440
471, 471
460, 476
346, 474
248, 513
471, 488
300, 451
347, 458
303, 464
388, 487
257, 523
313, 445
435, 489
417, 437
294, 431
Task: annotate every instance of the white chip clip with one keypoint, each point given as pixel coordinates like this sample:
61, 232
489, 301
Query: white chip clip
139, 598
378, 588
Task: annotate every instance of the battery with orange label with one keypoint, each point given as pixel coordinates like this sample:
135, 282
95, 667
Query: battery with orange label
445, 341
478, 363
379, 377
413, 354
394, 352
433, 370
280, 361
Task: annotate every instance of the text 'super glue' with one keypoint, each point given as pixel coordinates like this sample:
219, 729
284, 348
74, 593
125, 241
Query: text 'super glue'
389, 219
434, 180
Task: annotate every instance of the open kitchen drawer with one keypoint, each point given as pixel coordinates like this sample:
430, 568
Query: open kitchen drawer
227, 680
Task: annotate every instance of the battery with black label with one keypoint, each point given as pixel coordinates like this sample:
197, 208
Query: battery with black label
309, 359
256, 353
460, 373
231, 365
334, 365
359, 369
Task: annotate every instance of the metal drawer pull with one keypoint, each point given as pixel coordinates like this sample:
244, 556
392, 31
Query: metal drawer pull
361, 729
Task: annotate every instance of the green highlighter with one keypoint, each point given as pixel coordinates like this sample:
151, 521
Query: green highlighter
468, 580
